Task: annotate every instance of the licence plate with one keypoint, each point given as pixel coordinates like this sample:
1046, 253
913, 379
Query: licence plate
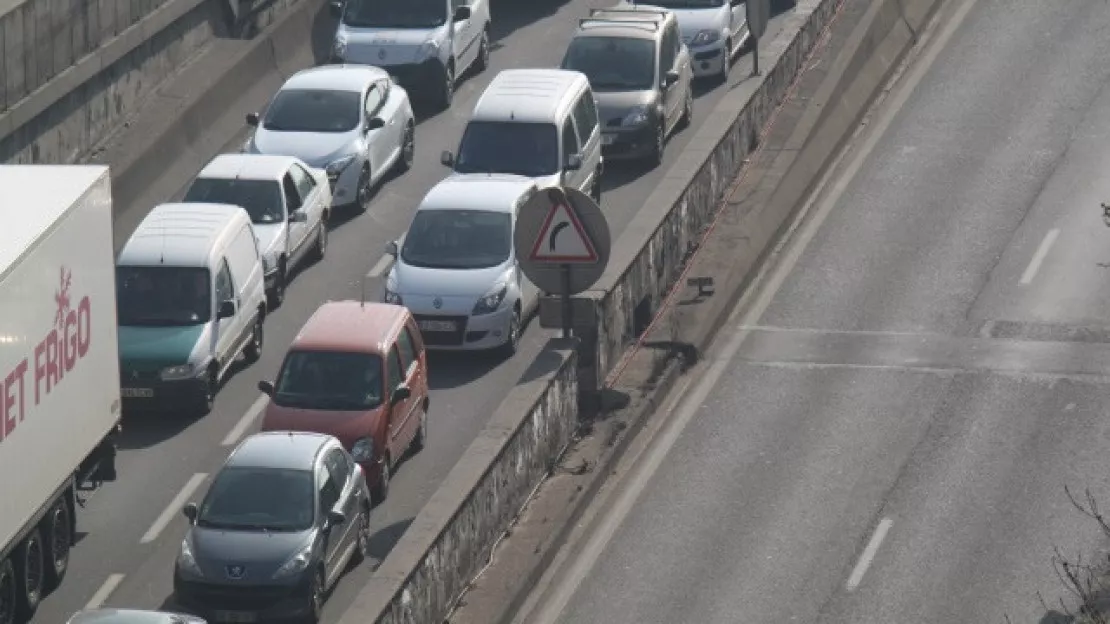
138, 393
608, 139
236, 617
437, 326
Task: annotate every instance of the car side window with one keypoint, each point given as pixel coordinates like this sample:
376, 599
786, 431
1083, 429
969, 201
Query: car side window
582, 117
225, 289
396, 377
455, 4
328, 492
666, 53
303, 181
374, 100
404, 345
338, 466
293, 200
676, 43
570, 139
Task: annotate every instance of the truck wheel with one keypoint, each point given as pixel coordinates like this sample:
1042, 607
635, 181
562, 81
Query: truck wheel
29, 574
59, 539
447, 89
206, 398
253, 350
8, 592
277, 295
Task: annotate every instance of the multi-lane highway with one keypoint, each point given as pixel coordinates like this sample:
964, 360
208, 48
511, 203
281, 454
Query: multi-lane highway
885, 433
131, 529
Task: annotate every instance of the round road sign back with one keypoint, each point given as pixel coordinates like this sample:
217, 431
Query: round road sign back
559, 229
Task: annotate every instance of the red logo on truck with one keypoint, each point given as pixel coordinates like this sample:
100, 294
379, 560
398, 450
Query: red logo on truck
53, 357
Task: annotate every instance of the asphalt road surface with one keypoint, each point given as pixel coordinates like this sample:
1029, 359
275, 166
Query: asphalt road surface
131, 529
885, 434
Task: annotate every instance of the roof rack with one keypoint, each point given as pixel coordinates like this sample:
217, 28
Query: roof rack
651, 25
659, 14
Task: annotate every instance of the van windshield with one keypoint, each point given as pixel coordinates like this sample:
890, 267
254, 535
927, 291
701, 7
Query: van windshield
526, 149
261, 198
329, 380
163, 296
613, 63
458, 239
395, 13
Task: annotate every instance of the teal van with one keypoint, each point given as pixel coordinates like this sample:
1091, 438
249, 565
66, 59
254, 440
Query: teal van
190, 288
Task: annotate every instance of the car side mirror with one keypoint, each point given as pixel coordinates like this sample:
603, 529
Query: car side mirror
375, 123
574, 162
336, 8
266, 387
190, 511
670, 78
447, 159
227, 309
391, 248
462, 13
252, 119
336, 518
400, 393
298, 216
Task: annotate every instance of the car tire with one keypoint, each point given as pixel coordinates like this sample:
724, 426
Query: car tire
59, 538
253, 350
726, 62
482, 62
206, 399
513, 342
420, 440
446, 93
687, 110
362, 539
655, 158
30, 574
9, 592
277, 293
363, 192
595, 188
380, 491
320, 247
408, 149
316, 595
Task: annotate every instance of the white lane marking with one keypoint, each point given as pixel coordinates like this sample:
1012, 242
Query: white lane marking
246, 421
384, 264
551, 608
869, 554
102, 594
173, 508
1038, 258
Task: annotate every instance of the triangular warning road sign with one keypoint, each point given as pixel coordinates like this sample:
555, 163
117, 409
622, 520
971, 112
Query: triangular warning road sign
562, 239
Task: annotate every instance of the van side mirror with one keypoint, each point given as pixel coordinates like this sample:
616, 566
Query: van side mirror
670, 78
227, 309
252, 119
462, 13
400, 393
190, 511
336, 518
574, 162
266, 387
375, 123
335, 8
447, 159
391, 248
298, 216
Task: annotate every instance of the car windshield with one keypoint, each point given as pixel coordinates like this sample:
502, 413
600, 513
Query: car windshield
327, 380
458, 239
613, 63
261, 198
395, 13
163, 296
313, 110
259, 499
527, 149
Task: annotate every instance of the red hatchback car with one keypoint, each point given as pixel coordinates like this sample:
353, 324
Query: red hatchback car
356, 371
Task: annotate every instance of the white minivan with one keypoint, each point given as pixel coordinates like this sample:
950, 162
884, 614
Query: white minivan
191, 298
539, 123
456, 269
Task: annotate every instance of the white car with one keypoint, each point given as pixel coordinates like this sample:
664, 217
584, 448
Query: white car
425, 44
714, 30
352, 121
288, 202
456, 269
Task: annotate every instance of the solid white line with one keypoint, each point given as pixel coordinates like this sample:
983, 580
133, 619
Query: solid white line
1038, 258
868, 554
173, 508
246, 421
102, 594
384, 263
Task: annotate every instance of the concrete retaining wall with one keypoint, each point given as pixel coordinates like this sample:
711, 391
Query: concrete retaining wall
74, 70
451, 538
650, 254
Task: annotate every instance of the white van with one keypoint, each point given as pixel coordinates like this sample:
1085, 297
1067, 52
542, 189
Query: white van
539, 123
190, 289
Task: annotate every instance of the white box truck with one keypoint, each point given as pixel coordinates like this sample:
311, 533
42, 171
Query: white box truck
59, 372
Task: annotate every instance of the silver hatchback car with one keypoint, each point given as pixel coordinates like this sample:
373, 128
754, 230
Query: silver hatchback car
283, 518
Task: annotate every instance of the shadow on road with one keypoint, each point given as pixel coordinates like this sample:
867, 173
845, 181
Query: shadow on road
386, 538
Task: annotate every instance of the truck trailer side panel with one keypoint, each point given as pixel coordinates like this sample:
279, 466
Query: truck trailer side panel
59, 373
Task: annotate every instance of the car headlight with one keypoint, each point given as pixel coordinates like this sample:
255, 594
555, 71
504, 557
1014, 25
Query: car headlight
491, 301
636, 117
705, 37
181, 371
429, 49
186, 562
336, 167
363, 450
339, 48
296, 564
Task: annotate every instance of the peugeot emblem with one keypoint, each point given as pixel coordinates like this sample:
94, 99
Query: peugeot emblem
235, 572
437, 303
381, 54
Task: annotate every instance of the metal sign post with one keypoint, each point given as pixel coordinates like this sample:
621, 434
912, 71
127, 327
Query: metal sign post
758, 14
562, 245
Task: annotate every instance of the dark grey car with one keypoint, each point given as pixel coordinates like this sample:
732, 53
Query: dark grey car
283, 518
131, 616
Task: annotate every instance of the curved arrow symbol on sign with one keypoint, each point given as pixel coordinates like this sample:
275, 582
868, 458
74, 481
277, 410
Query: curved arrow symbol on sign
559, 227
